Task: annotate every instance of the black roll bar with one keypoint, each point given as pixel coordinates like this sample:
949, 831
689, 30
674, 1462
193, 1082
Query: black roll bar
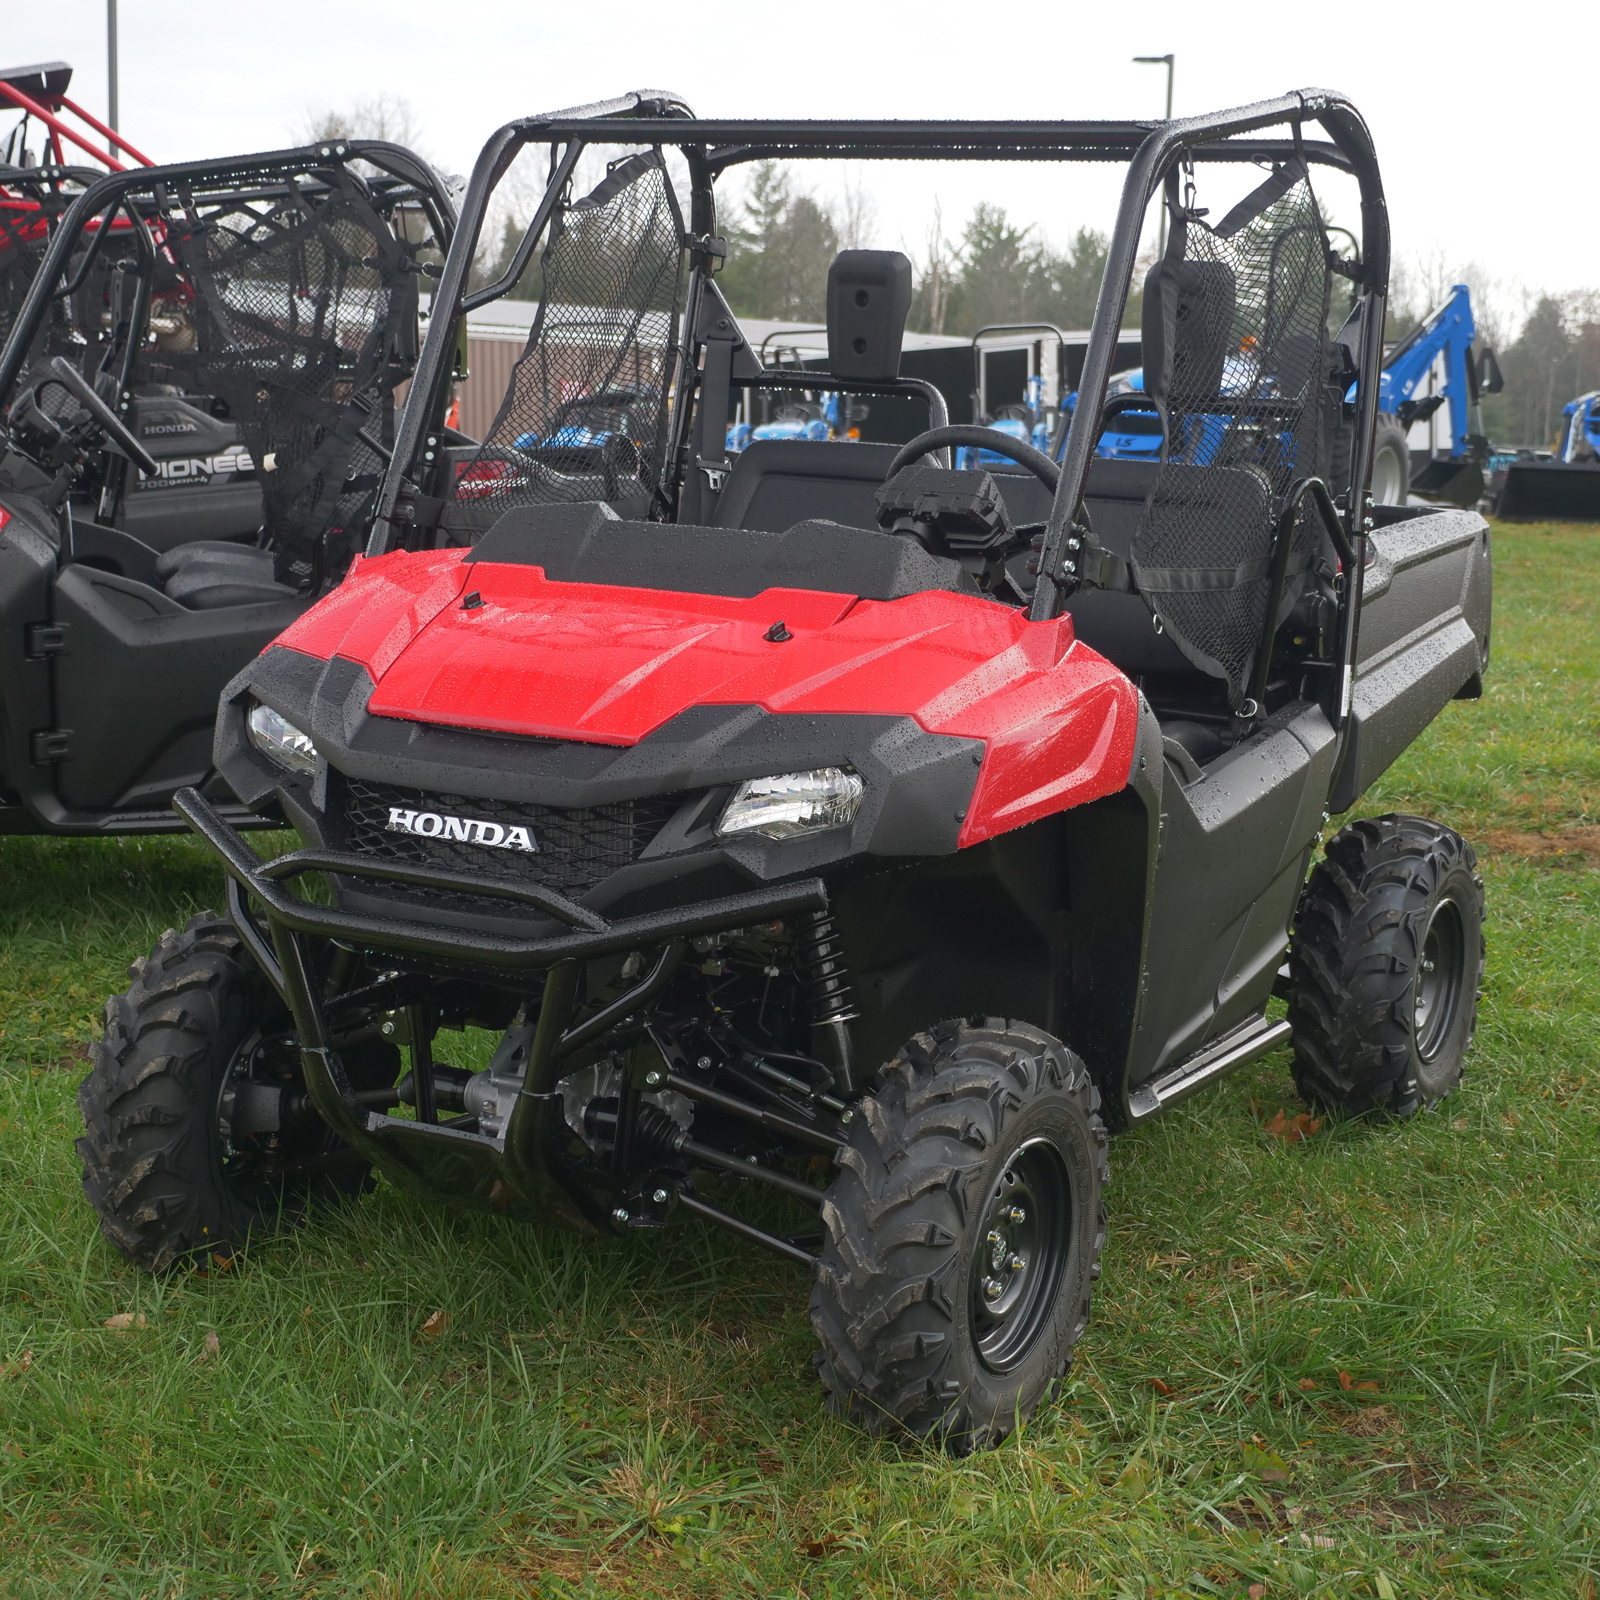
1202, 137
116, 188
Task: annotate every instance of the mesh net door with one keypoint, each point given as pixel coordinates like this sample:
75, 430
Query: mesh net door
304, 307
78, 325
1236, 354
584, 417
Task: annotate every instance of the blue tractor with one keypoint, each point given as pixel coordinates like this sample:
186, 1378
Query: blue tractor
1580, 430
831, 417
1565, 485
1435, 370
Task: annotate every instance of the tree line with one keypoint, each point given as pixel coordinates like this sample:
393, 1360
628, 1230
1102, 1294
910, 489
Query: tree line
781, 242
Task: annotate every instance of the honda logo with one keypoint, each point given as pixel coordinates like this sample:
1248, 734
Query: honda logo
467, 830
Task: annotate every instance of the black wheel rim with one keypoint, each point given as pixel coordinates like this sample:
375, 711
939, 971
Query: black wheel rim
1021, 1255
1438, 984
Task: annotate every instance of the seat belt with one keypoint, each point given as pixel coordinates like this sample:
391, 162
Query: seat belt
726, 357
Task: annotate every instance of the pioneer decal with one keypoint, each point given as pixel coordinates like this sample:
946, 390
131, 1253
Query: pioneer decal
467, 830
180, 470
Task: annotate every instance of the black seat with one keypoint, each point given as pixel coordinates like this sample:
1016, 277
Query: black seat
209, 574
1119, 626
776, 483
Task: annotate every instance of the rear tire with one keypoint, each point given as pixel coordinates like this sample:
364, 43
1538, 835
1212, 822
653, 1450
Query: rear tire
963, 1237
198, 1057
1391, 463
1386, 966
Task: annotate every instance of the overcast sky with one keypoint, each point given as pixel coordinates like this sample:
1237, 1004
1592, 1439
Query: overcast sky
1480, 120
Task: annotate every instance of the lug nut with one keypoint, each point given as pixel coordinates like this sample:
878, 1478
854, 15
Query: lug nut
1016, 1214
620, 1214
992, 1288
1016, 1263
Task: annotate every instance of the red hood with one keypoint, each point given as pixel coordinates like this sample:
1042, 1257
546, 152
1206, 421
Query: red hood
609, 665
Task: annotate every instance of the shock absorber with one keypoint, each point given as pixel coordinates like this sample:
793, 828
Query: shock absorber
831, 994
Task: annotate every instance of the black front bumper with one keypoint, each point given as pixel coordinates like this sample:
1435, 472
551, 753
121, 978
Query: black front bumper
523, 1169
584, 933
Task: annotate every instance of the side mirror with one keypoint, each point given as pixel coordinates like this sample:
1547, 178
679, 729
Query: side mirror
1490, 378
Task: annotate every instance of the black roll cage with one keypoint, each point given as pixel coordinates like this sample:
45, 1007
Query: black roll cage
709, 147
142, 192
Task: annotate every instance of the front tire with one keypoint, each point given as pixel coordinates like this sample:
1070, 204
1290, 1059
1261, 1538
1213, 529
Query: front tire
197, 1136
963, 1237
1385, 967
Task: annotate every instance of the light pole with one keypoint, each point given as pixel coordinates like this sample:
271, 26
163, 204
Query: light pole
1145, 61
111, 63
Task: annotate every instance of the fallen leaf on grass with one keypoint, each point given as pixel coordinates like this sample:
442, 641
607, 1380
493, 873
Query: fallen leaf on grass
436, 1323
12, 1448
1267, 1465
1256, 1591
212, 1346
1291, 1130
221, 1262
816, 1549
1136, 1479
1308, 1384
1460, 1124
15, 1369
127, 1319
1160, 1387
1349, 1385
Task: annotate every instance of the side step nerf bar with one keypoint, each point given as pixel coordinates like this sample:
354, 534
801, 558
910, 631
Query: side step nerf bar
1177, 1082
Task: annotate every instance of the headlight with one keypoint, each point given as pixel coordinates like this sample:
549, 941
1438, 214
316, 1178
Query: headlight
278, 738
793, 804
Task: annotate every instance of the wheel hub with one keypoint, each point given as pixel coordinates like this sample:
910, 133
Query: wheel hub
1436, 990
1021, 1255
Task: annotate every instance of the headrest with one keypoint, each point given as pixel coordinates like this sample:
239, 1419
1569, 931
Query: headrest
1187, 328
869, 297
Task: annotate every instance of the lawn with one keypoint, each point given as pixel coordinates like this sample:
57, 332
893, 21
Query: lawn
1364, 1363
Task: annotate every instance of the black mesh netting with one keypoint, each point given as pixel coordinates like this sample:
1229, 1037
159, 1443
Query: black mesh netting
305, 306
1236, 351
584, 417
72, 324
22, 246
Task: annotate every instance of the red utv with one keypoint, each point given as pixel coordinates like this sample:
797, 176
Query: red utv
827, 821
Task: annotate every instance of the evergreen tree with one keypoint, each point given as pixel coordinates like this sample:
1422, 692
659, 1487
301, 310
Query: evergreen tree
779, 251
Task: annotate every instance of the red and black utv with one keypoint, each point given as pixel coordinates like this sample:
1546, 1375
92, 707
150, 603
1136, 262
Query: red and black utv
828, 802
196, 404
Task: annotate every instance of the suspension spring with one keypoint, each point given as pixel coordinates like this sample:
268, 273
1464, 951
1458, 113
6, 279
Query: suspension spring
830, 990
824, 971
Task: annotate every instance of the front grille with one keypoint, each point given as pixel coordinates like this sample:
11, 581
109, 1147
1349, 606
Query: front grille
577, 847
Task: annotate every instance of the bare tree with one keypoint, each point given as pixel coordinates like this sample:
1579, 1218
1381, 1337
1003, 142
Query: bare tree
375, 116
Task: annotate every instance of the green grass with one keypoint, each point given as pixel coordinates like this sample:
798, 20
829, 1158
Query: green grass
639, 1418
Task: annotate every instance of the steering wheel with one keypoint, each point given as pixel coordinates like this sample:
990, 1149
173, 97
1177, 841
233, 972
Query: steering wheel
62, 372
1036, 461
